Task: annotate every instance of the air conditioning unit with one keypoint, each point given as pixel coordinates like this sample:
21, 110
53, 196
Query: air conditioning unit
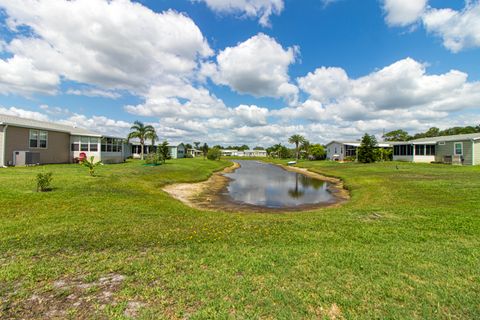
26, 158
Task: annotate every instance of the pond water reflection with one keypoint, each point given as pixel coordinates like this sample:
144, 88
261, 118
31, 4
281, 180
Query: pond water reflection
261, 184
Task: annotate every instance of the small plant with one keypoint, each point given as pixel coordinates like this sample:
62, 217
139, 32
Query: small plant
91, 165
43, 181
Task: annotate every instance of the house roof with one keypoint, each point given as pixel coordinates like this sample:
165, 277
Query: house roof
435, 140
357, 143
43, 125
458, 137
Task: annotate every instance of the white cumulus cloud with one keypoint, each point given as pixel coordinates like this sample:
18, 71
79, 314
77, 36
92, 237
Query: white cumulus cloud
261, 9
458, 29
403, 12
115, 44
257, 66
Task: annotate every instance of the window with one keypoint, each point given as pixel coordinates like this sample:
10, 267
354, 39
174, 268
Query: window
430, 150
94, 144
75, 147
38, 139
33, 138
420, 149
112, 145
403, 150
458, 148
43, 135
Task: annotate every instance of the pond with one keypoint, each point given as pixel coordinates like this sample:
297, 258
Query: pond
269, 186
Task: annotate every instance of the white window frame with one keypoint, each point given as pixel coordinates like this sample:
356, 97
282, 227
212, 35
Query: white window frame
455, 148
38, 139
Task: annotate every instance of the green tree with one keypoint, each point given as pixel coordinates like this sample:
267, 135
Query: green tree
197, 145
297, 140
259, 148
142, 133
366, 152
163, 152
396, 135
305, 147
317, 151
205, 150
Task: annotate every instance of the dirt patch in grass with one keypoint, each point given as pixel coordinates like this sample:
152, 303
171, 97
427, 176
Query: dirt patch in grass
72, 298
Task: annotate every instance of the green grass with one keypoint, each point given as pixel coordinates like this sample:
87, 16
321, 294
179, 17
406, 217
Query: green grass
407, 245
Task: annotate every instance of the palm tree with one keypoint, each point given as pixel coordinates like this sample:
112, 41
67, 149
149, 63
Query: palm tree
306, 148
154, 137
142, 132
297, 140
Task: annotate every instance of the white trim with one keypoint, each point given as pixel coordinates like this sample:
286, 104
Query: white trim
455, 148
4, 149
473, 152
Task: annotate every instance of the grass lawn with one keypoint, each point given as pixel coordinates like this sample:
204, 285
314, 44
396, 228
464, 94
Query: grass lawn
407, 245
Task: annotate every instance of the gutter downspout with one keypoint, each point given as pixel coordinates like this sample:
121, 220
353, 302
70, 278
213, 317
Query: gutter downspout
4, 144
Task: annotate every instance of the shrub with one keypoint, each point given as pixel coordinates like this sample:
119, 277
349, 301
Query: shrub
214, 154
384, 154
43, 181
152, 158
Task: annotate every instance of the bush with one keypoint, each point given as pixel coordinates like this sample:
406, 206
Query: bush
350, 159
43, 181
214, 154
152, 158
384, 154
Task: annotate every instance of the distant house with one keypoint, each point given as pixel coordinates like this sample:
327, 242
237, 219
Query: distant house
255, 153
458, 149
26, 141
176, 150
245, 153
231, 153
345, 150
194, 153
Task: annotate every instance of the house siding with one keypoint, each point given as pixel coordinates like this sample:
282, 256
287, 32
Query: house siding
340, 148
2, 140
448, 150
57, 151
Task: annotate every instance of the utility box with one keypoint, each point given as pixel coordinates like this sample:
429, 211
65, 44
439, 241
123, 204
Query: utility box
26, 158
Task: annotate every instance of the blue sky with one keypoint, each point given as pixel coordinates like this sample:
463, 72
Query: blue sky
248, 71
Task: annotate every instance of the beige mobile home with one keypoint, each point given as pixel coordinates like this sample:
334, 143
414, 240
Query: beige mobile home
28, 142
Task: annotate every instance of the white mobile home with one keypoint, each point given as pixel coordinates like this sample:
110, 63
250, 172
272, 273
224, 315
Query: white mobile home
347, 150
